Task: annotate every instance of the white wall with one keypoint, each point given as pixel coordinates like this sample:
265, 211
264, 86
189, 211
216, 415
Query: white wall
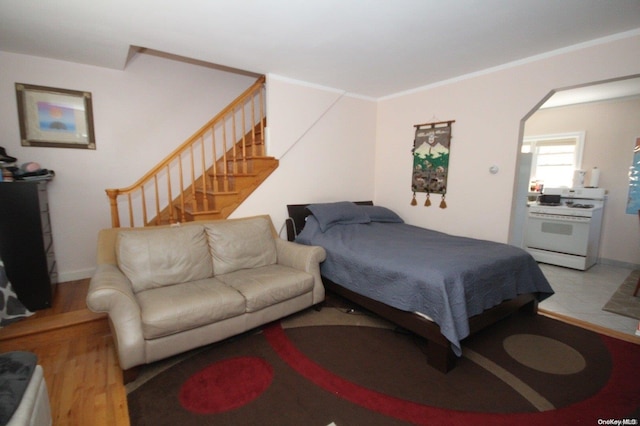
325, 142
141, 114
488, 109
611, 129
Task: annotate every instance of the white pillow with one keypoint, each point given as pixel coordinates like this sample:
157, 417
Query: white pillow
153, 258
241, 244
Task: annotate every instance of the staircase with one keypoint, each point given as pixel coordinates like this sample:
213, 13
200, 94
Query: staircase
208, 176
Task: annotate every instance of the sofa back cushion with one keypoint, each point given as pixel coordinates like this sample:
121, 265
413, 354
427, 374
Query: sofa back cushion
241, 244
153, 258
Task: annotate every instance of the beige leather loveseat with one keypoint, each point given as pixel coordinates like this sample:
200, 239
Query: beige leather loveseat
169, 289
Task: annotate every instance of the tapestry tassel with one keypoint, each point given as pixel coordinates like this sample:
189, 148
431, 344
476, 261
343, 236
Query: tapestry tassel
413, 201
443, 203
427, 202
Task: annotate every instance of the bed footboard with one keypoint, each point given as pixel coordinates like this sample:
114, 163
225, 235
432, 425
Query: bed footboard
439, 352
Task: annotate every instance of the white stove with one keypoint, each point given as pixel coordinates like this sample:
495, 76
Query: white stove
573, 202
566, 231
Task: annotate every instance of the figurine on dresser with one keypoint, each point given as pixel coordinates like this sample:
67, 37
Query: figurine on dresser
27, 171
7, 163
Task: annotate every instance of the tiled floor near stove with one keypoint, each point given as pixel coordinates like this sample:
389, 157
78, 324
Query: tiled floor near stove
582, 294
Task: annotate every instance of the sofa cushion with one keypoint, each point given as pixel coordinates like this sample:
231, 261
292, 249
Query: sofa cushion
153, 258
268, 285
176, 308
241, 244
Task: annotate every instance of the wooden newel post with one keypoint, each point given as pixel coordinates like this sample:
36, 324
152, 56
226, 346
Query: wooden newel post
115, 216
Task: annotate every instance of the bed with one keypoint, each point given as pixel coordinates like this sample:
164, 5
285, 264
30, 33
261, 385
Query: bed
439, 286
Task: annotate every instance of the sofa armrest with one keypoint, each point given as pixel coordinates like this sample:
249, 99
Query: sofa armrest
304, 258
110, 291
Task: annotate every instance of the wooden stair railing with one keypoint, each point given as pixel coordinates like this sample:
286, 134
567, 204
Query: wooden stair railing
207, 176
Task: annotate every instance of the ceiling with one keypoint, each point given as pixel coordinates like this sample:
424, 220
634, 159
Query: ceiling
372, 48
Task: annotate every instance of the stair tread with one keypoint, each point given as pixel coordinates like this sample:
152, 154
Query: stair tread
212, 192
189, 209
253, 159
48, 323
231, 175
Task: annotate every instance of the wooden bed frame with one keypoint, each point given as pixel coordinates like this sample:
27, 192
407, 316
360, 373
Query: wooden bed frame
439, 352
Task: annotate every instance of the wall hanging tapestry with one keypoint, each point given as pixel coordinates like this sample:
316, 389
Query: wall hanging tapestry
431, 160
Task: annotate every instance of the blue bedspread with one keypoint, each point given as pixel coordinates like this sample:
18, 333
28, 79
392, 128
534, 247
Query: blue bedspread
446, 277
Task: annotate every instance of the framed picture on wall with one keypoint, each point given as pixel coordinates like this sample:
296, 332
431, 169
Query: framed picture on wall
56, 118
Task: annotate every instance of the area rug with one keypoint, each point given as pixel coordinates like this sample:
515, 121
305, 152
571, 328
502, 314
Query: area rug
338, 366
623, 302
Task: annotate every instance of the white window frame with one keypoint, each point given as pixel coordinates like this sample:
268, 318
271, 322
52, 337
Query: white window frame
579, 137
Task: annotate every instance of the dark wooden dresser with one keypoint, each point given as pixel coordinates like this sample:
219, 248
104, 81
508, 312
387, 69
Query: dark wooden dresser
26, 244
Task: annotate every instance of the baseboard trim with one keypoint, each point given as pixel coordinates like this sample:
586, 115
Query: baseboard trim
79, 274
618, 263
593, 327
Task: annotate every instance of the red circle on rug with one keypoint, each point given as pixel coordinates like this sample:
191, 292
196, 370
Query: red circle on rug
226, 385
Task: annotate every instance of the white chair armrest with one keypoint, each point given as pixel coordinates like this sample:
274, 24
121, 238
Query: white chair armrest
110, 291
304, 258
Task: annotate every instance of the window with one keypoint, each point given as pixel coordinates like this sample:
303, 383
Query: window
555, 158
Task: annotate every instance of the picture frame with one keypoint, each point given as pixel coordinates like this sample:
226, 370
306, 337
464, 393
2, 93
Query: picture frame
55, 118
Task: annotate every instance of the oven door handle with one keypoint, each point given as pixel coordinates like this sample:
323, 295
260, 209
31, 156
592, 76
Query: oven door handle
559, 218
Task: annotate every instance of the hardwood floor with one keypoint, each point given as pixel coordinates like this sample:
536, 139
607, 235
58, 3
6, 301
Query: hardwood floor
76, 351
